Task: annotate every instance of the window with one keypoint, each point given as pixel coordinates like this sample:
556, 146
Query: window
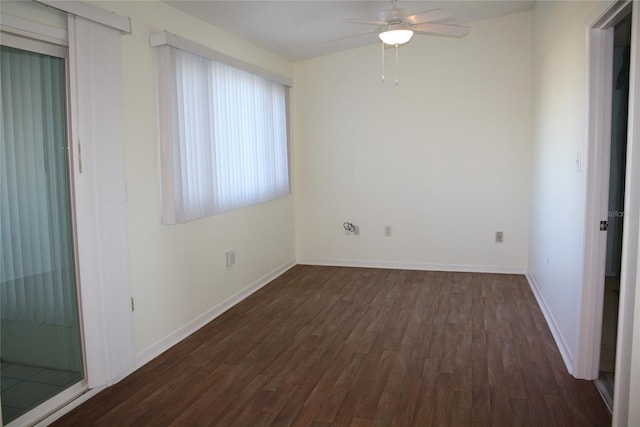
224, 137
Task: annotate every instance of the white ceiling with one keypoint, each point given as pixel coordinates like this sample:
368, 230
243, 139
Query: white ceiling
300, 29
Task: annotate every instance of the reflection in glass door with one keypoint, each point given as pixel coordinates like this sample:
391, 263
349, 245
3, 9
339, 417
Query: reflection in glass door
41, 349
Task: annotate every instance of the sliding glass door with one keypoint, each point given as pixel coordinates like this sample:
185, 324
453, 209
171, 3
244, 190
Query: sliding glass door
41, 348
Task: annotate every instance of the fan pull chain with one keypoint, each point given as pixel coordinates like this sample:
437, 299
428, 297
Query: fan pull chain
382, 62
397, 66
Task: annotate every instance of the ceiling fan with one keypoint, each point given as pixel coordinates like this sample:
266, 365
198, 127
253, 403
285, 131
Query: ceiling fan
396, 26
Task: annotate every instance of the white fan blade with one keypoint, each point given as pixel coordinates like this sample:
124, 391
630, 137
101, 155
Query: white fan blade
441, 29
429, 16
360, 21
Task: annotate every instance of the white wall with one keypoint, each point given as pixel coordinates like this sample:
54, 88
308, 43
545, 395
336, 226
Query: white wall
178, 271
443, 158
558, 188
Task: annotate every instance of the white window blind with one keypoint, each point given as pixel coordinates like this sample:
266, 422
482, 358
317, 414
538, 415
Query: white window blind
95, 54
224, 137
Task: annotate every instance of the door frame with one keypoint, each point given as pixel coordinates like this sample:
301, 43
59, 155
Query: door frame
56, 49
101, 243
600, 58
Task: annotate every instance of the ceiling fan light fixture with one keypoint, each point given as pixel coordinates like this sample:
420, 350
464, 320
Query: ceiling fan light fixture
395, 37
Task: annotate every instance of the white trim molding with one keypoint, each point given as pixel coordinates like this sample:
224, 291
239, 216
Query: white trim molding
166, 38
565, 350
43, 410
34, 30
627, 380
398, 265
175, 337
19, 42
92, 13
600, 66
68, 407
600, 48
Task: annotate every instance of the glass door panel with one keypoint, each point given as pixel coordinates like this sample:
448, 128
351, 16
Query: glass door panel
41, 350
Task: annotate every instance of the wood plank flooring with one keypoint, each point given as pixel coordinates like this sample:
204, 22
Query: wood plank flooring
333, 346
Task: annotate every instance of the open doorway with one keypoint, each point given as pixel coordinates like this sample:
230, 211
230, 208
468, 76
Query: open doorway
616, 208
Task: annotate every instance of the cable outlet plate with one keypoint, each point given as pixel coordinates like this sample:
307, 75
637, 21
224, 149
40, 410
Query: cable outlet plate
499, 237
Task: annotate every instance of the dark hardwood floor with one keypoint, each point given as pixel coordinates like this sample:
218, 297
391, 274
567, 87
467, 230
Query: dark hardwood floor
357, 347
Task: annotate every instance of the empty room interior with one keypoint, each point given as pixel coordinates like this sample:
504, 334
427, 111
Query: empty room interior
441, 231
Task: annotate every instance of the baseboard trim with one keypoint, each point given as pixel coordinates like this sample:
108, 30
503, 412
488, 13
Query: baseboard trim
565, 352
174, 338
499, 269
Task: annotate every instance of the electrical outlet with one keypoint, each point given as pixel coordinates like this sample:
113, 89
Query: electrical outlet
387, 231
231, 258
499, 236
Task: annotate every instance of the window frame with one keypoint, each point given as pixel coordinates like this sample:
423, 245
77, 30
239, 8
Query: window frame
163, 42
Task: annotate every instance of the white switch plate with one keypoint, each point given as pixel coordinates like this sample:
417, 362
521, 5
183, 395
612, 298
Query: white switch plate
231, 258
